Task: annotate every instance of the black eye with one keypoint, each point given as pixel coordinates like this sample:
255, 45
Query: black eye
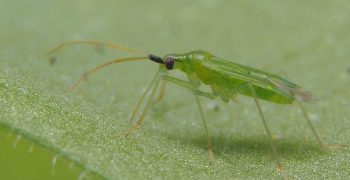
169, 63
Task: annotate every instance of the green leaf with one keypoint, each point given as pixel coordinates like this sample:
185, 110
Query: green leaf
307, 40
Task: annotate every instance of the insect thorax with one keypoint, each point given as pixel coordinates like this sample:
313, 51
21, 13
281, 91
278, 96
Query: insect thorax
189, 62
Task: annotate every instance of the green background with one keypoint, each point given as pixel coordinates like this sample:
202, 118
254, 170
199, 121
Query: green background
308, 40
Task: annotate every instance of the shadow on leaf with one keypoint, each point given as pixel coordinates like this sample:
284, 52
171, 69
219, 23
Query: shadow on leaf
253, 146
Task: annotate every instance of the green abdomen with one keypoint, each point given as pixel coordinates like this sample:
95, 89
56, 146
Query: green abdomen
227, 87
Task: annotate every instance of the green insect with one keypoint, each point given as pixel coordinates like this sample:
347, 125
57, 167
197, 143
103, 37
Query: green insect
225, 78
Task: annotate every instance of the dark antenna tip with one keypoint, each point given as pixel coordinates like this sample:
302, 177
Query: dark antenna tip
155, 58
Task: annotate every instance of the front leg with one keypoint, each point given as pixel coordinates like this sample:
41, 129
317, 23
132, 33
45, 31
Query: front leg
188, 85
191, 86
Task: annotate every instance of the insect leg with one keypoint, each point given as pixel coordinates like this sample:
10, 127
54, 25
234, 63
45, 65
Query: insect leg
187, 85
161, 92
322, 146
210, 146
196, 93
310, 124
314, 132
136, 109
162, 88
148, 103
273, 146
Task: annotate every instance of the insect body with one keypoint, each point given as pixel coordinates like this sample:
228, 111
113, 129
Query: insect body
225, 78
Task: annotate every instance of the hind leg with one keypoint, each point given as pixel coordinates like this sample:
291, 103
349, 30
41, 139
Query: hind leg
314, 132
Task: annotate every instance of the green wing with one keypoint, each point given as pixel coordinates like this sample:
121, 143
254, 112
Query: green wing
228, 79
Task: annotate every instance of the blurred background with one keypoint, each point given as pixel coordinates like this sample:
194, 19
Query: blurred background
307, 39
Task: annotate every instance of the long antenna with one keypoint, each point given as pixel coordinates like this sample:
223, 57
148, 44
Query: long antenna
98, 43
116, 61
